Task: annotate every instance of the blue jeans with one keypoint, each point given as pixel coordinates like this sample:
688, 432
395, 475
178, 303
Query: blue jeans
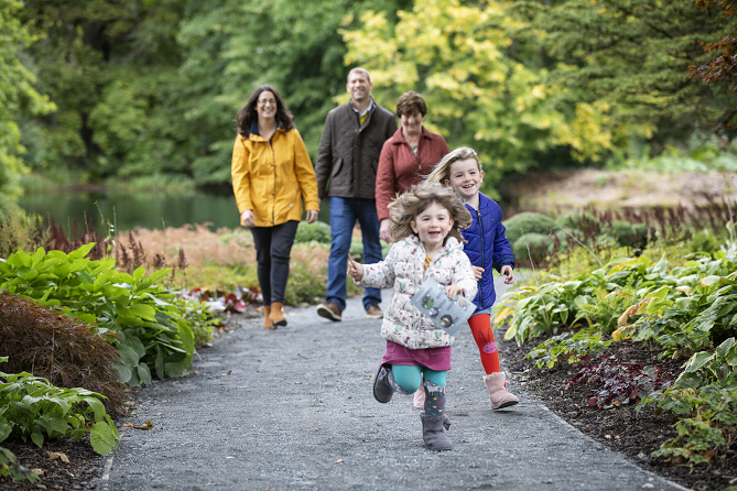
343, 215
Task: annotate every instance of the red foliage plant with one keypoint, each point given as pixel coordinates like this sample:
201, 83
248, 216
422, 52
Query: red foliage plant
619, 383
46, 343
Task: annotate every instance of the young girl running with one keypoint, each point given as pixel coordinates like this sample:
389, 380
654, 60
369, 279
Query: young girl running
488, 248
425, 227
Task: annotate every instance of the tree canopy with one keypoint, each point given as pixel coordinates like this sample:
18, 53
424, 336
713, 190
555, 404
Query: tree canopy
109, 89
16, 94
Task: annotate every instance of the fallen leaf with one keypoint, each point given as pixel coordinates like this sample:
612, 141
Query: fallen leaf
146, 426
58, 455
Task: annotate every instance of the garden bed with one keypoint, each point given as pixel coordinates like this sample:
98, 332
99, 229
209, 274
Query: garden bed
634, 433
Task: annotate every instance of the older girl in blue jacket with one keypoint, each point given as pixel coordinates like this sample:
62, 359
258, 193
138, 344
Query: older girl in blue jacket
488, 248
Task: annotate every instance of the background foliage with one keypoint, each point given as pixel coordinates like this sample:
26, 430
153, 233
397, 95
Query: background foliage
98, 89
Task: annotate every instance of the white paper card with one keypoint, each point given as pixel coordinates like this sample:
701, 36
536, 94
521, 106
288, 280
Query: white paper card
445, 313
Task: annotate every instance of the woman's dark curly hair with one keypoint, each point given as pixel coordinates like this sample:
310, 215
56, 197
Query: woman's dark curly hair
247, 114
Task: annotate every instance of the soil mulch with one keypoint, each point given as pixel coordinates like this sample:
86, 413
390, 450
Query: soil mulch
82, 471
636, 434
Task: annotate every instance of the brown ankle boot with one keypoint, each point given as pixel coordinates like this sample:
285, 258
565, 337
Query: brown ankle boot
267, 317
277, 318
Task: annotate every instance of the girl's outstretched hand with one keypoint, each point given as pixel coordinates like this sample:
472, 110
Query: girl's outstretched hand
478, 272
355, 270
452, 291
508, 273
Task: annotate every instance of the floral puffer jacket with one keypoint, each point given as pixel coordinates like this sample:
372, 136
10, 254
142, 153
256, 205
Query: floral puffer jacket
403, 269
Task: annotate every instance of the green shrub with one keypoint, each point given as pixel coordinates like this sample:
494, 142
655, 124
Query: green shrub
704, 241
356, 250
526, 223
318, 232
531, 246
50, 345
578, 221
304, 286
628, 234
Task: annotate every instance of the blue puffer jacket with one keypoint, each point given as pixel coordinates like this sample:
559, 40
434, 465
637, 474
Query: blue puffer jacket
487, 246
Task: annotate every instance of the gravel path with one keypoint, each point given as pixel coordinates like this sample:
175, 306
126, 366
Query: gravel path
292, 409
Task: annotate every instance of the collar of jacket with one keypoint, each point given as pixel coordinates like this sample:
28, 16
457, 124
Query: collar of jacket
369, 109
398, 137
254, 135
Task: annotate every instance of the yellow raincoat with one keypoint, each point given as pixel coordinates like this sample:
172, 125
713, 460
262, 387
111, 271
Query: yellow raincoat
272, 178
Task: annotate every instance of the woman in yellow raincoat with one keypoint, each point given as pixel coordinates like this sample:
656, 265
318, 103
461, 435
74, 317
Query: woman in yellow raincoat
272, 173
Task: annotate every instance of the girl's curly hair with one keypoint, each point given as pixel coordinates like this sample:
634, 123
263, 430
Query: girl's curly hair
406, 207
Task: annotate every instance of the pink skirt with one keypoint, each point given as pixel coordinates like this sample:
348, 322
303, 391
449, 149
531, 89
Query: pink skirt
437, 359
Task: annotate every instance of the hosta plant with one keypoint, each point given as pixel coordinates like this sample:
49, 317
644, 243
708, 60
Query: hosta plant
31, 407
581, 346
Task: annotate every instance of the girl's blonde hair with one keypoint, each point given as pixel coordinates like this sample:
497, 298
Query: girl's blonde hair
441, 172
406, 207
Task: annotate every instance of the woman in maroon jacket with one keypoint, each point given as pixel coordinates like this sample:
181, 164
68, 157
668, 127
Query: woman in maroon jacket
407, 157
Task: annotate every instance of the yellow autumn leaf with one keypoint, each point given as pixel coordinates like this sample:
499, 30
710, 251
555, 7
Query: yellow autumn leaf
503, 313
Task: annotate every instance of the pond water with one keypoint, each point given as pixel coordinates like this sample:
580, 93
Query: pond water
129, 211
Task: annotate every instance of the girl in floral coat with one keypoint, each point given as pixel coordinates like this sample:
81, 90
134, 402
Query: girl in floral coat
428, 244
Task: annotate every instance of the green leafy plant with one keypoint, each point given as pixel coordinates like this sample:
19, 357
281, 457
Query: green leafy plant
543, 310
153, 336
31, 407
704, 396
584, 344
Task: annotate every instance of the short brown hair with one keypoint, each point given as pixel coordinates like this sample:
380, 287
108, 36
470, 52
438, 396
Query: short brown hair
411, 102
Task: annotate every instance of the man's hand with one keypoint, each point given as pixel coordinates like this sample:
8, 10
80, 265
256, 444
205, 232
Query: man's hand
508, 272
312, 216
478, 272
385, 230
247, 218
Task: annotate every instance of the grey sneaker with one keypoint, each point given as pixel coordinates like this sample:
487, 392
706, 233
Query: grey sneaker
330, 310
374, 312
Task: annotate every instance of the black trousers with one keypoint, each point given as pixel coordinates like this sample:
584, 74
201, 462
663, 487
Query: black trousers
273, 249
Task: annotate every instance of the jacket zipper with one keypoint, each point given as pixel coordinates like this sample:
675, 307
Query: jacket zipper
273, 194
483, 259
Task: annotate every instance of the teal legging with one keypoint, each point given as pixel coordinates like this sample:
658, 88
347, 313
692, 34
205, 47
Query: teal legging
409, 377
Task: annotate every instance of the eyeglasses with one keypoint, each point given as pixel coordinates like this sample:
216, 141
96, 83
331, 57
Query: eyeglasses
264, 102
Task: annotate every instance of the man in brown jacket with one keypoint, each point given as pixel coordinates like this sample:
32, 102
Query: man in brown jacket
346, 171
